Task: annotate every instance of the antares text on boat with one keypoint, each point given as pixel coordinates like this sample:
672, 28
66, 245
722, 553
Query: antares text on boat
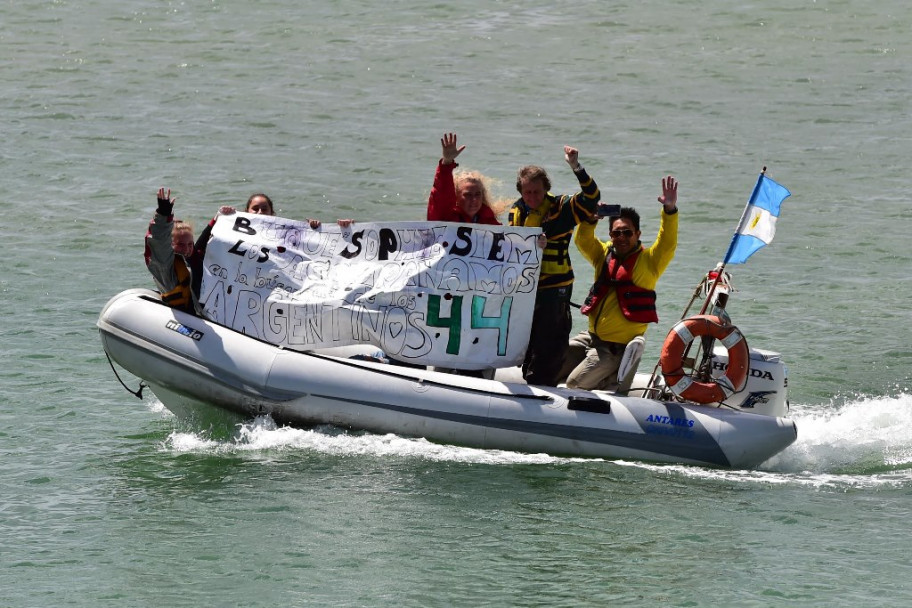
722, 405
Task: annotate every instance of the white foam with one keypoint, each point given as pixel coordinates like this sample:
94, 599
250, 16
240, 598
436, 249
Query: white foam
156, 406
869, 433
262, 434
861, 443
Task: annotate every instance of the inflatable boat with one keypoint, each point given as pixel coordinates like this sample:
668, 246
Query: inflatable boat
185, 358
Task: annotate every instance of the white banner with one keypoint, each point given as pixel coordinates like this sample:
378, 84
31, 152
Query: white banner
431, 293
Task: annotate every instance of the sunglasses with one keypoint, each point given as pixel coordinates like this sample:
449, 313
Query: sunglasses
625, 232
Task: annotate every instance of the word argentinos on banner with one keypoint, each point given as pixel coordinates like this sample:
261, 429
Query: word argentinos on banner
444, 294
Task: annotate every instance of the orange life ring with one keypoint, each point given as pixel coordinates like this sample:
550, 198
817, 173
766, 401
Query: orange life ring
672, 361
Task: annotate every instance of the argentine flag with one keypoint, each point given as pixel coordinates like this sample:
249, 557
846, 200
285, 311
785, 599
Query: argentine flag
758, 224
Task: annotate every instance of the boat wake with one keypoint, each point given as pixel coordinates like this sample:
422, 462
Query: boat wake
263, 435
862, 442
862, 436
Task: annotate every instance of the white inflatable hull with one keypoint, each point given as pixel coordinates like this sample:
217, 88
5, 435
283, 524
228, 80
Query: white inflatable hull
180, 355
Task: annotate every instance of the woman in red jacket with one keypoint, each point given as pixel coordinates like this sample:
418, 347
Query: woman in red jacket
462, 197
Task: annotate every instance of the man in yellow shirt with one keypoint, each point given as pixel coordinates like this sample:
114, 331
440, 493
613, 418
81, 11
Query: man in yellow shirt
621, 302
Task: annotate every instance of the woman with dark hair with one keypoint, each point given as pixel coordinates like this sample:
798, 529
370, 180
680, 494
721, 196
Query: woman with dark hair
260, 204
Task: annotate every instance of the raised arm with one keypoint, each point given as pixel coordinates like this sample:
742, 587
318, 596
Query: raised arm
669, 198
158, 252
662, 251
571, 155
165, 203
586, 201
450, 149
442, 199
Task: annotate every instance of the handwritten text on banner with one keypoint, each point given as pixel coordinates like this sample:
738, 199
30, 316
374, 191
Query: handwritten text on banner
444, 294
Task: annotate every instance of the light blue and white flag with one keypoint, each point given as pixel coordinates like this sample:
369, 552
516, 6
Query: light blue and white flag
758, 223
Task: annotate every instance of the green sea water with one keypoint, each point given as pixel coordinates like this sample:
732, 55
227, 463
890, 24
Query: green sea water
336, 110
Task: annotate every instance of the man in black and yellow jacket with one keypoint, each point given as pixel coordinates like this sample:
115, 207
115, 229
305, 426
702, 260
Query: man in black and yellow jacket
557, 215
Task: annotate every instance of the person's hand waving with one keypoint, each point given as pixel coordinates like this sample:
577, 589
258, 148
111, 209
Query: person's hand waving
450, 149
669, 196
165, 202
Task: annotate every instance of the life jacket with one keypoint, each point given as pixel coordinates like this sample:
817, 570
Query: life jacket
556, 269
181, 296
636, 303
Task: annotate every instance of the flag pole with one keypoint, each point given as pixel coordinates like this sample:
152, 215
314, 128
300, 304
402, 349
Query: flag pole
721, 268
